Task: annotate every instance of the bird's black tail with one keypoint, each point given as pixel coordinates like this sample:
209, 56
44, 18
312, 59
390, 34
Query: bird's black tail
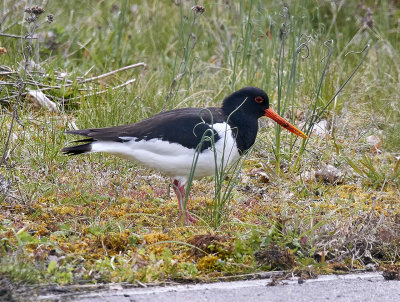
79, 149
75, 150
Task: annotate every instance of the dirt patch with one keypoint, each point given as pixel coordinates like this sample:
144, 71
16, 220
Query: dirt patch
210, 244
276, 257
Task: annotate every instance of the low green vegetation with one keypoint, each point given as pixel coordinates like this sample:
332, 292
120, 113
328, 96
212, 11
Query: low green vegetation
329, 204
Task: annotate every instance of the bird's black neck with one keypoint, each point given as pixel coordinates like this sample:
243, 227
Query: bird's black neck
245, 130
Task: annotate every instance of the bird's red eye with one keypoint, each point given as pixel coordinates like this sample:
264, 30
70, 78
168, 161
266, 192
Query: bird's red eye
259, 99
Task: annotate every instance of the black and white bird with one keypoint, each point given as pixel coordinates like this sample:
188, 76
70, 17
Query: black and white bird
169, 141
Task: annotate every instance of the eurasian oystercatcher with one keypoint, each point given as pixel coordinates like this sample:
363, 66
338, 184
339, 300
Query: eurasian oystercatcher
169, 141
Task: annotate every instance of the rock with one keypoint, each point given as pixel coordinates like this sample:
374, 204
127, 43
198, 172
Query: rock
40, 100
375, 142
260, 173
321, 128
370, 267
391, 272
300, 115
329, 174
308, 176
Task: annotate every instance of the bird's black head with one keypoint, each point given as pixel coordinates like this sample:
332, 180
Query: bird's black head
249, 101
245, 106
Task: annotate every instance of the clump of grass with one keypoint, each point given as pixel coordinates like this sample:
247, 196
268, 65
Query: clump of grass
375, 173
18, 270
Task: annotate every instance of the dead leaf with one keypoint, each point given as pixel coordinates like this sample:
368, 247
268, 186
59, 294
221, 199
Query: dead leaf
268, 34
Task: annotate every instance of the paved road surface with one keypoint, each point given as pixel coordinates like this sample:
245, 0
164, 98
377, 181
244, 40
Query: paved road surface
355, 287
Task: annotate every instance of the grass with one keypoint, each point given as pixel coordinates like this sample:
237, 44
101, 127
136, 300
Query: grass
101, 219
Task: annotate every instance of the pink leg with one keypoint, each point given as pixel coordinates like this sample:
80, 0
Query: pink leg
180, 194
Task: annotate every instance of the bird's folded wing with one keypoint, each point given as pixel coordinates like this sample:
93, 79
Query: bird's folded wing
183, 126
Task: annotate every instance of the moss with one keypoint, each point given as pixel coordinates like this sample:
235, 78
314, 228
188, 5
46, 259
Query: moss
207, 263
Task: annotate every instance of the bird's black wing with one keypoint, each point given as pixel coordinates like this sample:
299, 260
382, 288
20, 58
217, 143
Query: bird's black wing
183, 126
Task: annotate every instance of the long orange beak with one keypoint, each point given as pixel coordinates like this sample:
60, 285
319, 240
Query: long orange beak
285, 124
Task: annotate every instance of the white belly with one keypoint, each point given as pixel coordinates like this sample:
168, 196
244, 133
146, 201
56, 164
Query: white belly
173, 159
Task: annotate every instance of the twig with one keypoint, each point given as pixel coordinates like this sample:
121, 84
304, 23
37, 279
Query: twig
45, 87
6, 83
99, 92
16, 36
7, 73
112, 72
7, 98
93, 78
